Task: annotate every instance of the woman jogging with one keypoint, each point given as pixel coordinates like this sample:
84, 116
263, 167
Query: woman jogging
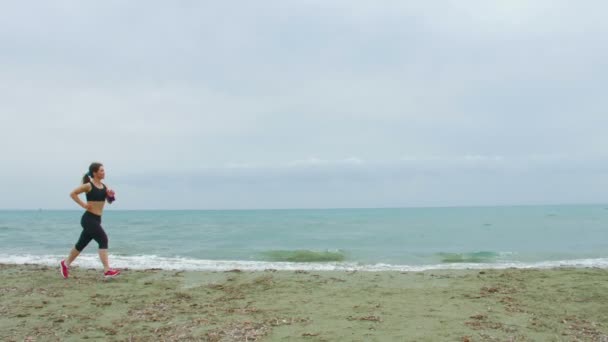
97, 194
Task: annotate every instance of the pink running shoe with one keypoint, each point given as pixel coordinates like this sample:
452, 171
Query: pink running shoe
111, 273
64, 270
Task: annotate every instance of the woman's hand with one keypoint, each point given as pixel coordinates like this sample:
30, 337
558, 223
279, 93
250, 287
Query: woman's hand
110, 196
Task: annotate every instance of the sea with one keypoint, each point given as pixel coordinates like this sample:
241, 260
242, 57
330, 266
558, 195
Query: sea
386, 239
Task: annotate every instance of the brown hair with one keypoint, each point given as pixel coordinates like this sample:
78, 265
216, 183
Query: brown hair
94, 167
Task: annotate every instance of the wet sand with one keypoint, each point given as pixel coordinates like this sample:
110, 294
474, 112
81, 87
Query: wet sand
154, 305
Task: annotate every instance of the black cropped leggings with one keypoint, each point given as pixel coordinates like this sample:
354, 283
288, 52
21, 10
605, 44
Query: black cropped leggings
91, 230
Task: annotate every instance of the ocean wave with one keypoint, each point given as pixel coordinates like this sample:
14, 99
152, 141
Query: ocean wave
472, 257
303, 256
187, 264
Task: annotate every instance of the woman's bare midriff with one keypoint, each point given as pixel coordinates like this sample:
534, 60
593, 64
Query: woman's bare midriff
96, 207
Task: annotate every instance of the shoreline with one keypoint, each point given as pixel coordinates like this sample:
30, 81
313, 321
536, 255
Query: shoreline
448, 305
143, 262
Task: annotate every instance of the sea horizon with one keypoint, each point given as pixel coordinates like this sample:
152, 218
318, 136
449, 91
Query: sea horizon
109, 208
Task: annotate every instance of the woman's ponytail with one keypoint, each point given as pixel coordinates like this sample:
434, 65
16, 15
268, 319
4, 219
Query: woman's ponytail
94, 167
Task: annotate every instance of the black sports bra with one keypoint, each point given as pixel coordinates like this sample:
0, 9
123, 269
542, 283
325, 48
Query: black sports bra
96, 194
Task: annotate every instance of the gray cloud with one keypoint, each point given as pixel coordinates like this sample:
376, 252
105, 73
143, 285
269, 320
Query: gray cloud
173, 89
414, 181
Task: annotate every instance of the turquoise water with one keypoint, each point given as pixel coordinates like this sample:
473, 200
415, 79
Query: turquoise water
402, 239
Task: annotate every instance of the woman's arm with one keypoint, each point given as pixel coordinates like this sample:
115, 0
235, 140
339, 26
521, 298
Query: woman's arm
74, 194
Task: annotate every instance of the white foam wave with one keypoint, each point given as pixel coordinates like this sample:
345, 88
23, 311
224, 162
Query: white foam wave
186, 264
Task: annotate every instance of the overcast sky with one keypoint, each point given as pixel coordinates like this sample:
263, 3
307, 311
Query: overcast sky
305, 104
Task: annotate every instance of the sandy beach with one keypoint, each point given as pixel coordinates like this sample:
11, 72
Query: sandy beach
160, 305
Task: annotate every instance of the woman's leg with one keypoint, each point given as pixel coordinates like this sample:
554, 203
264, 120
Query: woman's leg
74, 253
99, 235
83, 241
103, 255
